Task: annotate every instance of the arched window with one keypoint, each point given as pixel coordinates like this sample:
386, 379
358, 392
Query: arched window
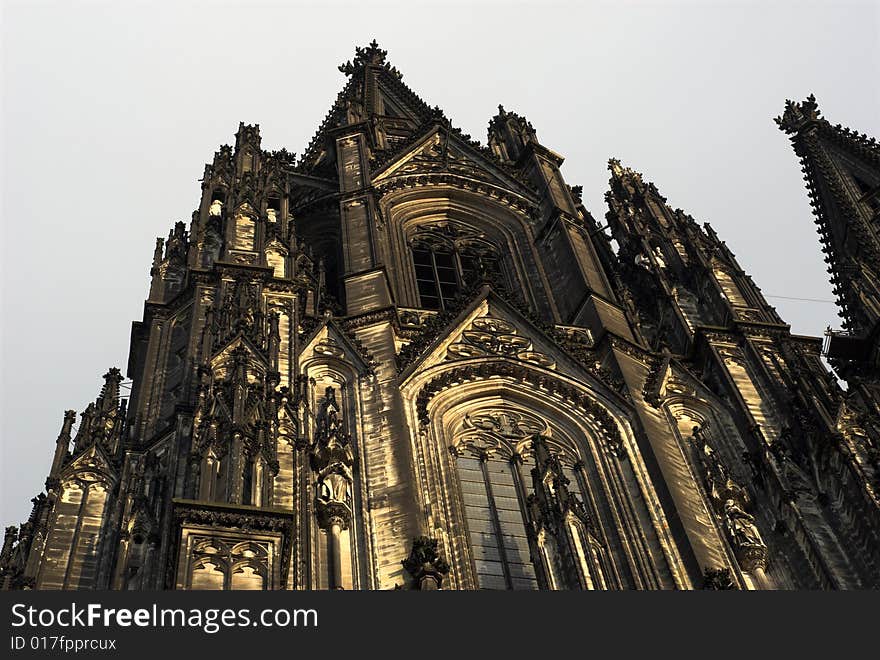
208, 576
495, 462
224, 565
448, 257
496, 523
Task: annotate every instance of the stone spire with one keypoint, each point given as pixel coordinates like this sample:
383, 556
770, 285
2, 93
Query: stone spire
842, 172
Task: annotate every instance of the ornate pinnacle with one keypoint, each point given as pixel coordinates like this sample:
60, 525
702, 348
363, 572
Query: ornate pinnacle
247, 133
425, 565
67, 425
9, 540
615, 166
522, 124
718, 580
798, 115
371, 55
110, 390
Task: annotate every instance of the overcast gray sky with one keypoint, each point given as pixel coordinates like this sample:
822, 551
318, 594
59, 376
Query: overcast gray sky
110, 111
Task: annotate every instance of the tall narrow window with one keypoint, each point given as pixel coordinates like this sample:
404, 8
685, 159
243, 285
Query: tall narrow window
247, 482
448, 258
426, 280
245, 228
436, 276
496, 524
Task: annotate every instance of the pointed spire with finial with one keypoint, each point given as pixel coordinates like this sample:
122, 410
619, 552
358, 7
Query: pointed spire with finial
509, 134
842, 174
371, 55
798, 115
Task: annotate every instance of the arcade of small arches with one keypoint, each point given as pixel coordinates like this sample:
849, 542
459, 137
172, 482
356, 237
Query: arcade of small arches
224, 565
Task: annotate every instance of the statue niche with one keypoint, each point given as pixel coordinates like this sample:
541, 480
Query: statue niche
331, 460
729, 500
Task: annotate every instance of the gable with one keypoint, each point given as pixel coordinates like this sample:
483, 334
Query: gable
441, 150
90, 465
490, 328
492, 332
223, 358
330, 342
676, 381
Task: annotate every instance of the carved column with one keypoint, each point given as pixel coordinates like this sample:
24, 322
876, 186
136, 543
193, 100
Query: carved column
334, 554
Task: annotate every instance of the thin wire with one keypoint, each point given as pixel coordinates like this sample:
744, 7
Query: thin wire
830, 302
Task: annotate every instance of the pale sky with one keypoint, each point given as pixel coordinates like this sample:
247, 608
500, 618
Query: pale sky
110, 111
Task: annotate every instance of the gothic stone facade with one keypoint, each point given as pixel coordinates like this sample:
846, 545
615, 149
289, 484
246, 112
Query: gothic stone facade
408, 360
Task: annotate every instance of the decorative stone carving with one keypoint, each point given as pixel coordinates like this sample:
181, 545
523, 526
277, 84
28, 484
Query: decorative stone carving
492, 336
502, 431
748, 544
506, 423
718, 579
425, 565
331, 460
606, 427
329, 347
658, 257
556, 517
413, 319
729, 501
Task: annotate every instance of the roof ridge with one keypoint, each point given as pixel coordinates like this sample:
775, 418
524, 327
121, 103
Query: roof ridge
332, 115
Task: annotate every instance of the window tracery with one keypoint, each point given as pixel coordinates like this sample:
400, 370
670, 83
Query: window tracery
447, 257
223, 565
494, 455
493, 336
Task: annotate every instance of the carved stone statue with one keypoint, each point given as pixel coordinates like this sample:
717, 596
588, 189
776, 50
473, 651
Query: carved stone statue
741, 525
334, 488
658, 257
729, 499
331, 459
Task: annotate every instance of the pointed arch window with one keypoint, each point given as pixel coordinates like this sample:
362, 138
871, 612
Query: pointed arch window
436, 276
496, 496
223, 565
496, 468
495, 515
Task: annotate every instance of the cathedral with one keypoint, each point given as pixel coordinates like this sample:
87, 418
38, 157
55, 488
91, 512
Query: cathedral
409, 360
